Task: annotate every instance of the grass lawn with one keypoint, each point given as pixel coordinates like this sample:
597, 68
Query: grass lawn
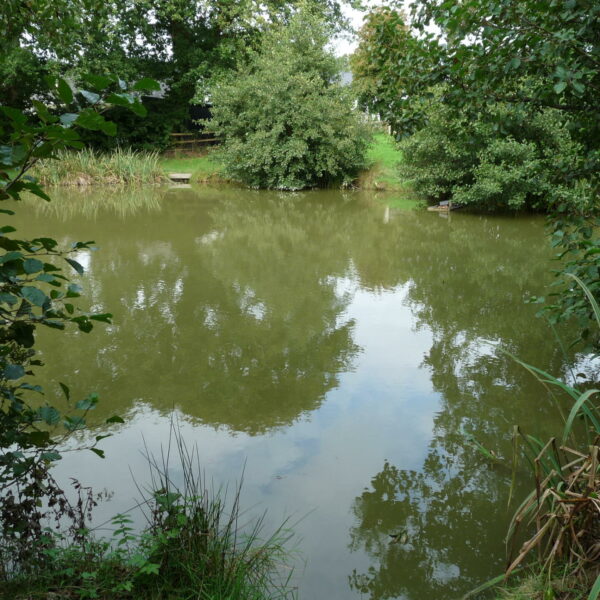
384, 157
202, 168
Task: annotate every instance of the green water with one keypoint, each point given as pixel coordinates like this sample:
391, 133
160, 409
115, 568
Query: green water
338, 349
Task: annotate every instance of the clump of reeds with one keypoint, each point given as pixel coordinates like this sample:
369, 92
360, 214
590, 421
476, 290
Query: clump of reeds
208, 552
85, 167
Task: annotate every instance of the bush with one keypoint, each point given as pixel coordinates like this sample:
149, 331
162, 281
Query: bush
151, 133
475, 161
286, 121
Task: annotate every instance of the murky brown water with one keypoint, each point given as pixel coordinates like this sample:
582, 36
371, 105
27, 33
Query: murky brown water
341, 350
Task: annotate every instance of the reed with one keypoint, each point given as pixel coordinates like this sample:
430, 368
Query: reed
560, 517
86, 167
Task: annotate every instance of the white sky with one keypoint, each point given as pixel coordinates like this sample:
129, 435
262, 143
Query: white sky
344, 45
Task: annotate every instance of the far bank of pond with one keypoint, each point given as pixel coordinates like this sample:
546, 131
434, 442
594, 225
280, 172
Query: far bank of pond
342, 350
123, 166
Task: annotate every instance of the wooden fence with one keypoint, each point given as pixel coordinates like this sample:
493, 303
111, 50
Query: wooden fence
192, 141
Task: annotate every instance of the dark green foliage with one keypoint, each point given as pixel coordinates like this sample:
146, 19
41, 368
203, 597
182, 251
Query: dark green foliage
497, 159
149, 133
285, 120
180, 43
518, 122
394, 70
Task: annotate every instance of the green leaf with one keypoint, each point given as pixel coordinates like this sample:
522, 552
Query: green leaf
77, 266
50, 456
16, 116
34, 295
65, 93
91, 97
103, 317
12, 372
42, 112
32, 265
98, 82
67, 119
48, 414
88, 403
560, 87
595, 591
34, 188
138, 108
65, 390
74, 423
98, 452
115, 419
90, 119
46, 278
120, 99
74, 290
39, 438
147, 84
10, 256
6, 298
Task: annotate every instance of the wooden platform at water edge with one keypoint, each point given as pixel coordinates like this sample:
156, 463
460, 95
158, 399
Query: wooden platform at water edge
180, 177
444, 206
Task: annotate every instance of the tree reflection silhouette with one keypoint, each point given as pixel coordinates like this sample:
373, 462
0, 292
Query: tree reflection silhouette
468, 289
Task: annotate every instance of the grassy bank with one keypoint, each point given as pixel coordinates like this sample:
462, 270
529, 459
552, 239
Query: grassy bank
203, 168
534, 585
383, 157
129, 167
87, 167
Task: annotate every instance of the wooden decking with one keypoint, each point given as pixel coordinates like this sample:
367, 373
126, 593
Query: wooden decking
444, 206
180, 177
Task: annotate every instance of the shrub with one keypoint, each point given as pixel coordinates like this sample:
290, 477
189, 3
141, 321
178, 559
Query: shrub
476, 161
286, 121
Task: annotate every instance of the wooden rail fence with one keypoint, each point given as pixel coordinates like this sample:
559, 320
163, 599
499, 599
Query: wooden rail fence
191, 141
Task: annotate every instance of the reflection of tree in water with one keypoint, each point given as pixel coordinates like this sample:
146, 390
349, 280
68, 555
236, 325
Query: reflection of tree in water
468, 289
226, 310
227, 304
448, 534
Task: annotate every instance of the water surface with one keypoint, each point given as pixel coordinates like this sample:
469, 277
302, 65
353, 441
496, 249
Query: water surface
340, 350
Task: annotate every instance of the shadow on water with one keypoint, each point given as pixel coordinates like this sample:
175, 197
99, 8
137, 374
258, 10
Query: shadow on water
237, 308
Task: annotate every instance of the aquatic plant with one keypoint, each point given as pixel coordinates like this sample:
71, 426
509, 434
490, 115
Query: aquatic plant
564, 507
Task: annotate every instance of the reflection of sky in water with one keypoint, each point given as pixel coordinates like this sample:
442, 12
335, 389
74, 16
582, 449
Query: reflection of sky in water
313, 470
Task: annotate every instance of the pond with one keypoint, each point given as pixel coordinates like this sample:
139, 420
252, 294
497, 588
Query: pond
342, 354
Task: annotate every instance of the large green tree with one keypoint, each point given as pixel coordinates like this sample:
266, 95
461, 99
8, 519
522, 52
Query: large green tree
182, 43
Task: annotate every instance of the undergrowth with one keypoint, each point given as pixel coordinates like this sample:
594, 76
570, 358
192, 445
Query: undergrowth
196, 545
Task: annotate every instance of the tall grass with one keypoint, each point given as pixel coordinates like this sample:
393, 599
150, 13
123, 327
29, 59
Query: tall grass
85, 167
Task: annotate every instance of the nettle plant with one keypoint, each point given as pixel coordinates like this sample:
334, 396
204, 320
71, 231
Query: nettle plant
35, 291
